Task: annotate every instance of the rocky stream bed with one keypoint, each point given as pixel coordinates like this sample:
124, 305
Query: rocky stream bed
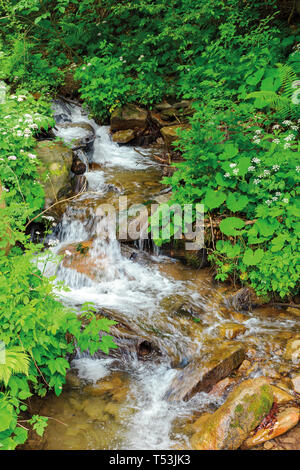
194, 368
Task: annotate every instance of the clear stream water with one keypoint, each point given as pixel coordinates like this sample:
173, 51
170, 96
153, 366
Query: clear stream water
117, 402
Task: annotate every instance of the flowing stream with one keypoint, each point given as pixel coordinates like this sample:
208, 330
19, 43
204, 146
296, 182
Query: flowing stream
119, 401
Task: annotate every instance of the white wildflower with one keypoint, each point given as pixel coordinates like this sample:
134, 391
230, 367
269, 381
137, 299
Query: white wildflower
289, 137
285, 200
232, 165
276, 141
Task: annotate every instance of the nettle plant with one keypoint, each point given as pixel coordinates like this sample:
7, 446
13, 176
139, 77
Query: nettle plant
246, 172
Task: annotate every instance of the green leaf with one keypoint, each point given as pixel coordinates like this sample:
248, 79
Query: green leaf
231, 226
252, 258
236, 203
107, 343
214, 199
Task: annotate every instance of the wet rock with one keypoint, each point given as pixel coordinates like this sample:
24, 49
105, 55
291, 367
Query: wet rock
292, 351
79, 184
285, 420
72, 379
56, 161
296, 383
169, 134
244, 366
280, 396
200, 421
201, 376
78, 167
220, 388
122, 137
231, 330
62, 118
158, 120
95, 166
79, 135
230, 425
129, 116
293, 311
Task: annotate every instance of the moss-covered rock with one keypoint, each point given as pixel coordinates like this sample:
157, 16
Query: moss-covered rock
122, 137
54, 170
231, 424
129, 116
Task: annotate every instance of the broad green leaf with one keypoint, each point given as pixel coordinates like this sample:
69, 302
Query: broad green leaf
214, 199
252, 258
236, 202
231, 226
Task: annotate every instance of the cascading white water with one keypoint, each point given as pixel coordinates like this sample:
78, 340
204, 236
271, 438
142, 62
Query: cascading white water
137, 291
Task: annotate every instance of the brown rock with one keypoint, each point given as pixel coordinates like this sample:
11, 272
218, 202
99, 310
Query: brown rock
243, 410
200, 421
292, 352
201, 376
221, 387
285, 420
280, 396
78, 167
231, 330
244, 366
169, 134
129, 116
296, 383
122, 137
268, 445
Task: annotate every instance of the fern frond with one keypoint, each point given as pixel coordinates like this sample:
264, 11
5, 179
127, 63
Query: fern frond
14, 361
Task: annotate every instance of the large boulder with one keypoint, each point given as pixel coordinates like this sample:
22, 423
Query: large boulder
201, 376
129, 116
54, 170
231, 424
